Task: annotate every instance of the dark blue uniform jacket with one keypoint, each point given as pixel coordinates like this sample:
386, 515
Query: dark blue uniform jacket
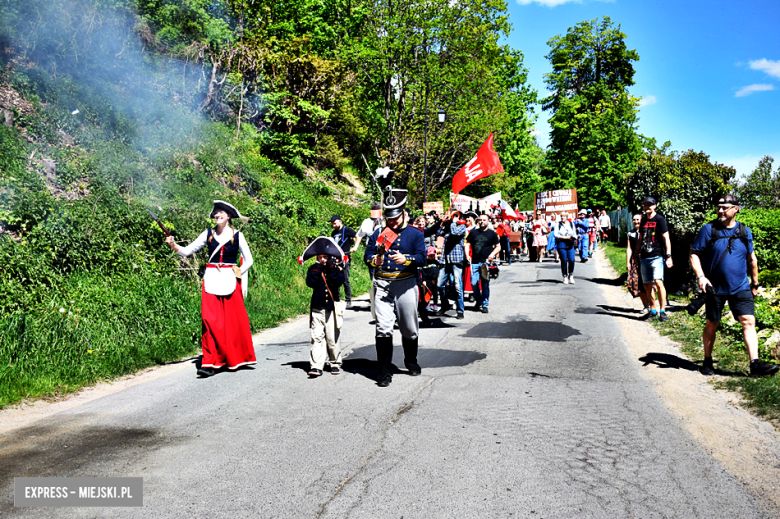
335, 277
410, 243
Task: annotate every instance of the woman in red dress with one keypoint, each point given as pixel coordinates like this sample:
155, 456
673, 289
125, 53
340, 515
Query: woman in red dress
226, 339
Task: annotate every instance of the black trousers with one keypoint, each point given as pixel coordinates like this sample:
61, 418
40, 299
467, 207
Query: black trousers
505, 252
347, 286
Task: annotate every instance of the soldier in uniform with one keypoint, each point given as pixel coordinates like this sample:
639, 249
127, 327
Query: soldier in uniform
395, 282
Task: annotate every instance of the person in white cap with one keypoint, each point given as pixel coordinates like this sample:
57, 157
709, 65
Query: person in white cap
226, 340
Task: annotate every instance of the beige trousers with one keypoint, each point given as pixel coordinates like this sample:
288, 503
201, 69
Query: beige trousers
325, 343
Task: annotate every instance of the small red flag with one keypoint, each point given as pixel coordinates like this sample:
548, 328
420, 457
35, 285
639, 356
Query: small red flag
386, 239
484, 164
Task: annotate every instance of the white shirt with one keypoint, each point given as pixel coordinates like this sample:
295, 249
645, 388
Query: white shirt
604, 221
222, 239
367, 228
563, 229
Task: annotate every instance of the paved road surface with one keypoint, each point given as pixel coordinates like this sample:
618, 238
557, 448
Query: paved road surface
533, 410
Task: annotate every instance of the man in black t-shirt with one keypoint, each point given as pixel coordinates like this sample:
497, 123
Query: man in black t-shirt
344, 237
484, 245
654, 250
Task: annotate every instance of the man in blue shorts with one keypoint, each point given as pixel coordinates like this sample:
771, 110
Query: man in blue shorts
655, 251
722, 257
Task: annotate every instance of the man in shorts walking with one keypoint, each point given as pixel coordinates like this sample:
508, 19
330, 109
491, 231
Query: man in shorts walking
655, 251
723, 259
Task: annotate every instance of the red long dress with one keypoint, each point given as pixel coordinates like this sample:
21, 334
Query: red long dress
226, 338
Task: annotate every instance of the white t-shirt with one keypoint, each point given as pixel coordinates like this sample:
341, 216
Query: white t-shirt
604, 221
367, 228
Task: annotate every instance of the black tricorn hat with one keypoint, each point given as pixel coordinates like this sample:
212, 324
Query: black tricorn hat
323, 245
394, 202
230, 209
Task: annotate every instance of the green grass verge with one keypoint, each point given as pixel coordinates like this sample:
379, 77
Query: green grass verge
100, 327
762, 395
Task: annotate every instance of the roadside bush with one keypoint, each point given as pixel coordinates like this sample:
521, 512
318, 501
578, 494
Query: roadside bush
765, 224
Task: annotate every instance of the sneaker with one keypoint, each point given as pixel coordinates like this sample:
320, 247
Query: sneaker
645, 311
759, 368
707, 369
565, 280
443, 310
385, 381
484, 309
461, 316
584, 260
571, 279
335, 370
349, 304
314, 372
663, 317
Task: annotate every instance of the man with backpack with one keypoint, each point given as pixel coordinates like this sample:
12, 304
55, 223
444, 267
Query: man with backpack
723, 259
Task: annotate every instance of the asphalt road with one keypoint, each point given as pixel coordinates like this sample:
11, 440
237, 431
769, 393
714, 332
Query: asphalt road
533, 410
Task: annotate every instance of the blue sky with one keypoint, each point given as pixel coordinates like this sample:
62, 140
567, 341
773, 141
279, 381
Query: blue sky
708, 73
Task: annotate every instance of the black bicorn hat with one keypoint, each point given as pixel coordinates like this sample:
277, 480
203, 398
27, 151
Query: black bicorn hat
322, 245
394, 201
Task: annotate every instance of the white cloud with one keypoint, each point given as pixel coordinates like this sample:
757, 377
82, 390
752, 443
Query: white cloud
766, 65
745, 164
752, 89
535, 132
648, 100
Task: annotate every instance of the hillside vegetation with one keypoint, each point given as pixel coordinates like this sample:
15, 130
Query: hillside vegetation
87, 288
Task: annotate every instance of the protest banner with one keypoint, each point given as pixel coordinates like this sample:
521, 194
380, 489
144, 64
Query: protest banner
433, 206
463, 203
555, 201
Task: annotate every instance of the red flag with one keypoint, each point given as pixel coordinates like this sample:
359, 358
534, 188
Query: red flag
484, 164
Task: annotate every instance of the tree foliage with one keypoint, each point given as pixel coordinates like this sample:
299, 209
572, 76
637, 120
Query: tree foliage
761, 189
686, 186
593, 139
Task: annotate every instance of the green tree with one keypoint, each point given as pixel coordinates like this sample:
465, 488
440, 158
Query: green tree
593, 139
446, 54
761, 189
686, 186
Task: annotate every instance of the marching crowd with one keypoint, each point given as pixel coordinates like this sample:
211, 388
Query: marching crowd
419, 265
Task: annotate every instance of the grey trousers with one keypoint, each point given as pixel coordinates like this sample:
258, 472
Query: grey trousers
396, 297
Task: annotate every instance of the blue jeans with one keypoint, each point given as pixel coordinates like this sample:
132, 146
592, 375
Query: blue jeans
481, 295
566, 252
583, 242
453, 273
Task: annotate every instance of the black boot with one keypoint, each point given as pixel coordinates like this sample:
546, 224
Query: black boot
410, 356
384, 357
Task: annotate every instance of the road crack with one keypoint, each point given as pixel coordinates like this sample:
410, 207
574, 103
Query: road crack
406, 407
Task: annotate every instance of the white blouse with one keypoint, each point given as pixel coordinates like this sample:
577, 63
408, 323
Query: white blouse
222, 239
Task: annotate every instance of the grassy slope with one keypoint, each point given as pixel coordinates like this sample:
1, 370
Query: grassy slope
762, 394
88, 291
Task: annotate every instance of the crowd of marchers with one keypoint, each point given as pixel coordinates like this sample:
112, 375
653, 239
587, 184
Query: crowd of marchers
417, 266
